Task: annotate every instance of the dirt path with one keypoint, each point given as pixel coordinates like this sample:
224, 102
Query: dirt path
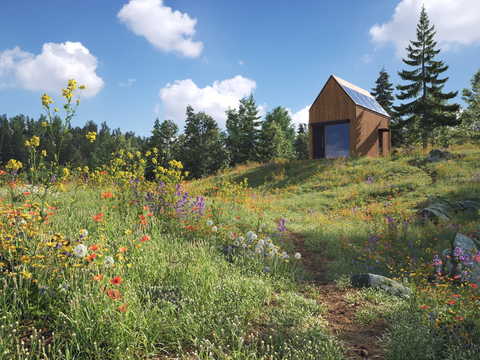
361, 341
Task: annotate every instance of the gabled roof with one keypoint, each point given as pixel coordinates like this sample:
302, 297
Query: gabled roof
359, 96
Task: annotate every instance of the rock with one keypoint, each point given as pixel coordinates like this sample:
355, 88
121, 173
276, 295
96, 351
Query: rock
439, 155
465, 243
380, 282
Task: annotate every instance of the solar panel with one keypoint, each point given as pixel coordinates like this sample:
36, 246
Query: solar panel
364, 100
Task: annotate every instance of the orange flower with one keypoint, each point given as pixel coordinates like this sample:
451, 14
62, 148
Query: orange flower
2, 172
26, 193
122, 249
150, 214
91, 257
451, 302
143, 220
117, 280
144, 238
114, 294
474, 286
98, 277
122, 308
98, 217
424, 307
107, 195
93, 247
456, 295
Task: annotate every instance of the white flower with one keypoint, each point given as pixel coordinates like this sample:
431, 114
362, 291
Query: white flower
298, 256
83, 233
214, 228
80, 250
285, 255
109, 261
251, 236
260, 242
209, 222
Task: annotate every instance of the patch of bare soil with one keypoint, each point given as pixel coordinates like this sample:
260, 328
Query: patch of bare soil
361, 341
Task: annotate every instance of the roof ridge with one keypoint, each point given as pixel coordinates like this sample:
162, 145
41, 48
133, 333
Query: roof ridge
352, 86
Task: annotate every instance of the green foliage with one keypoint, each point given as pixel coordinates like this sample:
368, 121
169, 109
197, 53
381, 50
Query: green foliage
202, 147
428, 108
301, 143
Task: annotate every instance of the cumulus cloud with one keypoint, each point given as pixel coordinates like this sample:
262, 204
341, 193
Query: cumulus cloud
213, 99
300, 117
456, 22
51, 69
164, 28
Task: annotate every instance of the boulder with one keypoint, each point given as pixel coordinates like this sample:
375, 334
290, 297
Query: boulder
380, 282
439, 155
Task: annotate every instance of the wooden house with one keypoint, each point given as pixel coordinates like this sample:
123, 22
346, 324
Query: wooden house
346, 120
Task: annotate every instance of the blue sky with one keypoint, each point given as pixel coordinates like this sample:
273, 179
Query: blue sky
143, 59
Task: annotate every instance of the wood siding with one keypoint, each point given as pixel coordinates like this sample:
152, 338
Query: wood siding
366, 134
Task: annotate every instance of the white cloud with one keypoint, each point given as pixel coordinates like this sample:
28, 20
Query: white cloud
456, 23
213, 99
164, 28
51, 69
300, 117
128, 83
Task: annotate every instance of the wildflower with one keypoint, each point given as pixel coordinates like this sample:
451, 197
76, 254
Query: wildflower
117, 280
98, 217
93, 247
285, 255
424, 307
91, 136
13, 164
108, 261
46, 100
114, 294
451, 302
106, 195
281, 225
145, 238
122, 249
26, 274
459, 318
298, 256
43, 153
251, 236
98, 277
473, 286
91, 257
83, 233
122, 308
44, 124
80, 250
214, 228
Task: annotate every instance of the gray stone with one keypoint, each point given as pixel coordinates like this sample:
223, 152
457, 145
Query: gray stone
465, 243
380, 282
439, 155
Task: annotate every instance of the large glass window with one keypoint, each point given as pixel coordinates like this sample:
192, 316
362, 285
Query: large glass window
337, 140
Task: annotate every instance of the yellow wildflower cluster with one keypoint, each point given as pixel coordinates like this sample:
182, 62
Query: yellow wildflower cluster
13, 164
33, 142
91, 136
46, 100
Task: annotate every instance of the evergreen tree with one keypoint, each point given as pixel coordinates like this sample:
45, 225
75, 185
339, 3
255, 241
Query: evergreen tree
234, 138
301, 143
470, 117
281, 116
273, 142
164, 138
383, 92
428, 109
249, 129
202, 148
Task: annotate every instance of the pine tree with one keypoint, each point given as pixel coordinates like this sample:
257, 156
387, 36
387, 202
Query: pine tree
164, 138
428, 109
470, 117
383, 92
202, 147
301, 143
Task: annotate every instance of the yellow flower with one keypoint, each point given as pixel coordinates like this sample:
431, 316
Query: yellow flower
44, 123
26, 274
55, 109
35, 141
91, 136
13, 164
72, 84
46, 100
43, 153
66, 172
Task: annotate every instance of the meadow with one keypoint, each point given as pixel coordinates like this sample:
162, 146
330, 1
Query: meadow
249, 264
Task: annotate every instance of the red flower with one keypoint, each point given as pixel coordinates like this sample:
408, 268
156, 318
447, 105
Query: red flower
98, 277
91, 257
451, 302
117, 280
122, 249
122, 308
106, 195
93, 247
459, 318
145, 238
424, 307
474, 286
114, 294
456, 295
98, 217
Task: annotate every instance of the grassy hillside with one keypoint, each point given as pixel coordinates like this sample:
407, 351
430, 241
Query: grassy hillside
105, 265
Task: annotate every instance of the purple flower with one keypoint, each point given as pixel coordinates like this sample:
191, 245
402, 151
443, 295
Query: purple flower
437, 262
457, 252
390, 220
369, 180
281, 225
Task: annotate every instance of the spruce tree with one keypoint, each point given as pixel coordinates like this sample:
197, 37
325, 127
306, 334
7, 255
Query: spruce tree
470, 117
202, 146
164, 138
428, 108
383, 92
301, 143
273, 143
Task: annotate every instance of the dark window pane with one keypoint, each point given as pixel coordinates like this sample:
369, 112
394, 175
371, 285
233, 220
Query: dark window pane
337, 140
